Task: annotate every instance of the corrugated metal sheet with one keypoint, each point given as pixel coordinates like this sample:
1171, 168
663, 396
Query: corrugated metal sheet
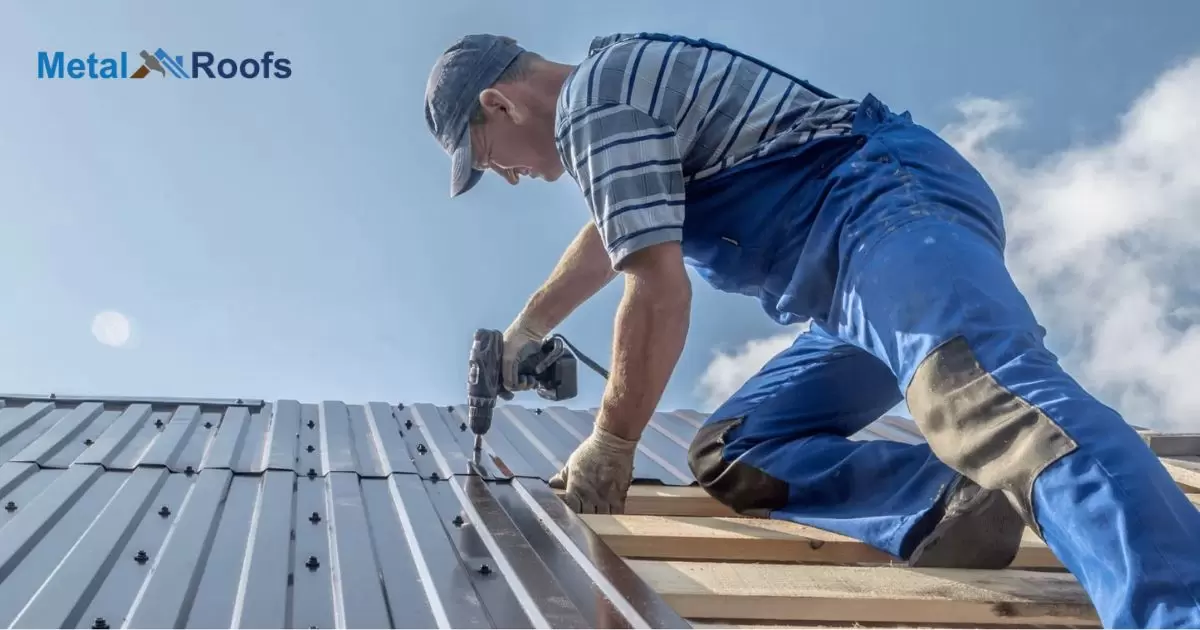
372, 440
245, 513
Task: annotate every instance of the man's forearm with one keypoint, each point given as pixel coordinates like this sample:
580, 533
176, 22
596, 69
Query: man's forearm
651, 328
581, 272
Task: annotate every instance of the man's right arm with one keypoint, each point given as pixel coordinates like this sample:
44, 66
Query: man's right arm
582, 271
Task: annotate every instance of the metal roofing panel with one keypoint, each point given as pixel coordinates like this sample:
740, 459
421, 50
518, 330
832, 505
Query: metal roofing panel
215, 513
151, 548
375, 439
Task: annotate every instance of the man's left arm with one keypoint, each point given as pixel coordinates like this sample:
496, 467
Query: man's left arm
628, 166
649, 334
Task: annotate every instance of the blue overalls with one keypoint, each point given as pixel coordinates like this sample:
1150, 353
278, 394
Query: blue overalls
892, 244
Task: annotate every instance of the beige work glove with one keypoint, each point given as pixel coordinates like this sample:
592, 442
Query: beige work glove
523, 338
597, 475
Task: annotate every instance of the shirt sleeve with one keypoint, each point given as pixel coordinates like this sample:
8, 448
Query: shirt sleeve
628, 166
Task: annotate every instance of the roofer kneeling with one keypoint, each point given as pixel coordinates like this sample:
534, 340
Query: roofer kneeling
852, 216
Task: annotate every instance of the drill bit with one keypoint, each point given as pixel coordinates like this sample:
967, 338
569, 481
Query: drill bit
478, 445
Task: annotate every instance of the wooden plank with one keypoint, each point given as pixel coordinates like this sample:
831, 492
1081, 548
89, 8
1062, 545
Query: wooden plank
789, 593
655, 500
1172, 444
1185, 471
757, 540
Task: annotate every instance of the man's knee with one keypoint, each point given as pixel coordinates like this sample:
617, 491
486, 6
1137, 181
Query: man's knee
745, 489
980, 428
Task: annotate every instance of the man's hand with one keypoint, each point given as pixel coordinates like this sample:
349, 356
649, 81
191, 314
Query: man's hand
523, 338
598, 474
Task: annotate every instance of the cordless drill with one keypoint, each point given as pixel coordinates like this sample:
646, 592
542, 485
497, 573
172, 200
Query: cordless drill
552, 369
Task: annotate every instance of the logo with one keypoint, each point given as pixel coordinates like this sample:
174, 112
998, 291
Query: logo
202, 65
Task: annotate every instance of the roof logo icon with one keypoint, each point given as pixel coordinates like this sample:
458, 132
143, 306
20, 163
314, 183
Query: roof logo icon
161, 63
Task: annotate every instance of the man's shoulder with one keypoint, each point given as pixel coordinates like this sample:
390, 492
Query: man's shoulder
582, 90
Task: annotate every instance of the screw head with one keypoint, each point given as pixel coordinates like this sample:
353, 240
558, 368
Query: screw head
399, 405
100, 623
310, 448
10, 506
485, 569
312, 563
158, 423
458, 520
421, 449
88, 442
537, 412
408, 423
434, 477
462, 426
312, 473
315, 518
238, 401
450, 408
141, 557
189, 471
164, 511
311, 424
208, 425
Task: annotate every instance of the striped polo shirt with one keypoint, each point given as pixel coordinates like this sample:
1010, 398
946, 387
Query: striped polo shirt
641, 117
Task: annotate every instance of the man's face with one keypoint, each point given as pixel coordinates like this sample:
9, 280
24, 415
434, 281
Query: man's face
516, 147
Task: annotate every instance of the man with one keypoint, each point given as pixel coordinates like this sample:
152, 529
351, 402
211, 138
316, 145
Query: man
848, 215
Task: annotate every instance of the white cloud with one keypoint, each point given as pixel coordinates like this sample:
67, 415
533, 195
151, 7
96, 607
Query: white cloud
1103, 241
729, 370
111, 328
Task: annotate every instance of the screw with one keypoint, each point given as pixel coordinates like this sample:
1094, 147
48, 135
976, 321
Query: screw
399, 405
537, 412
450, 408
421, 449
458, 521
10, 506
208, 425
315, 518
311, 424
434, 477
462, 426
485, 569
158, 423
88, 442
292, 534
310, 448
408, 423
238, 401
164, 512
311, 473
312, 563
189, 471
100, 623
141, 557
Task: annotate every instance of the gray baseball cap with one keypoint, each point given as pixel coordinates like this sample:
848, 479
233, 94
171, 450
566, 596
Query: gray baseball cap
469, 66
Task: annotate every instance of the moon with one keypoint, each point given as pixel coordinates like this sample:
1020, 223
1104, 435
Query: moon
111, 328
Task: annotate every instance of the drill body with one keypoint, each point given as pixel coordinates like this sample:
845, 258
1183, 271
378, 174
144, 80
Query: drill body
552, 368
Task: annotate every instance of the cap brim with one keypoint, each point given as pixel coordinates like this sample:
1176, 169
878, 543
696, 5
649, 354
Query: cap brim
463, 175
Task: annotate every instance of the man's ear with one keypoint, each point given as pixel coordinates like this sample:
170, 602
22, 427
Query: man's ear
495, 103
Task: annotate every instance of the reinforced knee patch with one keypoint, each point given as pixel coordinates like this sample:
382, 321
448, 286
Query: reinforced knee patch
745, 489
980, 428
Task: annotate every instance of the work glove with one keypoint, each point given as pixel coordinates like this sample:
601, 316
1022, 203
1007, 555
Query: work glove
597, 475
523, 338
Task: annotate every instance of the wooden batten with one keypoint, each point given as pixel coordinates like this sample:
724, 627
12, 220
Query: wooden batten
805, 593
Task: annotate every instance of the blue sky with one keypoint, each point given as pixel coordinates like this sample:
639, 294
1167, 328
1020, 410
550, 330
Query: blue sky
294, 238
